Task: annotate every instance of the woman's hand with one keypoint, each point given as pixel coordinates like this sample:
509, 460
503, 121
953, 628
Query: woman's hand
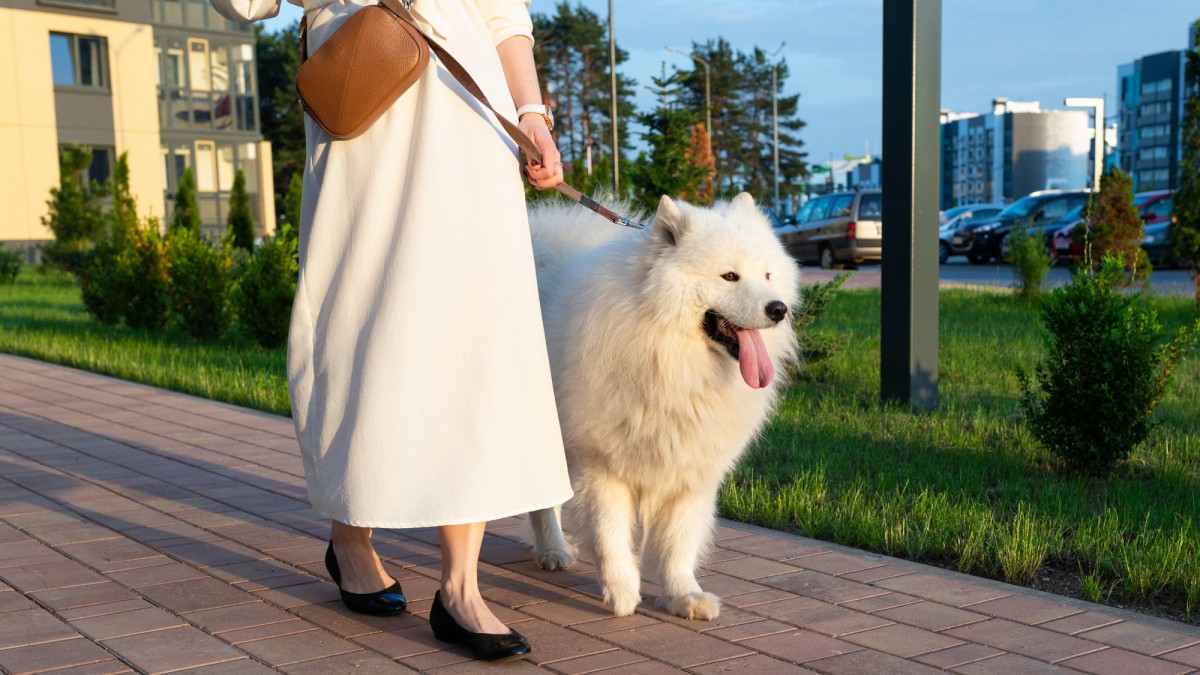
550, 172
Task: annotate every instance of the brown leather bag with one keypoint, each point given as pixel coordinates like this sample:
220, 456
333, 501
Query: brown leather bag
360, 71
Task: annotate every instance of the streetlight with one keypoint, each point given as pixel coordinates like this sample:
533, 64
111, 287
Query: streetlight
612, 70
707, 92
775, 114
1097, 105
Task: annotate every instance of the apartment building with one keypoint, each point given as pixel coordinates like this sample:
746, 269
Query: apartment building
1150, 115
170, 82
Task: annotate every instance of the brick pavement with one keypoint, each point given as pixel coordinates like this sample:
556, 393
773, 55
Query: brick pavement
147, 531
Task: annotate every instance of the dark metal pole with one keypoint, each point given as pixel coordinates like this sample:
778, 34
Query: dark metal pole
912, 65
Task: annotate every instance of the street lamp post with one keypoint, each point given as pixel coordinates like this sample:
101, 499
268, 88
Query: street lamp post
707, 91
1097, 105
775, 117
612, 69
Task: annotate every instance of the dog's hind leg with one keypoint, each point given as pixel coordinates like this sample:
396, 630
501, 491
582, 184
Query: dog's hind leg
550, 547
607, 514
679, 533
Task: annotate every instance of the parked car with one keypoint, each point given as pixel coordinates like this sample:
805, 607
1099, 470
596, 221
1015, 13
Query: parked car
981, 242
960, 216
1155, 209
839, 228
1062, 242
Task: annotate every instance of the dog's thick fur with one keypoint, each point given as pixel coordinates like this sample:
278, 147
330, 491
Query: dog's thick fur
654, 411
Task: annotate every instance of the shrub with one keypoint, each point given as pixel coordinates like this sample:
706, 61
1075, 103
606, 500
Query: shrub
1114, 228
122, 217
241, 222
186, 214
74, 217
263, 296
1089, 401
814, 300
293, 203
201, 277
10, 266
1030, 261
129, 280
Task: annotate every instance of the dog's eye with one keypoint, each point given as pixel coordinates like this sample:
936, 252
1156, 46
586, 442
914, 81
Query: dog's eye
730, 276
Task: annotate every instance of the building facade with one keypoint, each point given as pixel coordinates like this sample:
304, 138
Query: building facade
1150, 111
170, 82
1016, 149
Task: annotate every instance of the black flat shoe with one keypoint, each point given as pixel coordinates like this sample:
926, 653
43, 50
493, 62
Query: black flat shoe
388, 602
483, 646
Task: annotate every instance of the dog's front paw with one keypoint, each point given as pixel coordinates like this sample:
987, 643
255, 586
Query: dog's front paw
622, 601
554, 560
698, 606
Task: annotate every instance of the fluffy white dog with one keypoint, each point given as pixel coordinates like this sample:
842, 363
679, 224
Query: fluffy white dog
663, 347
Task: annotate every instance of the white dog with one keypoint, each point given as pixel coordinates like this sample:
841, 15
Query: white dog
663, 347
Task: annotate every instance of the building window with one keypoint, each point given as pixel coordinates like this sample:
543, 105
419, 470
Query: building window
79, 61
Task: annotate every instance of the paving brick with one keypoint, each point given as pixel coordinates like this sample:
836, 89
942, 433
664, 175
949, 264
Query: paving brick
90, 611
1188, 656
800, 646
958, 656
674, 645
1023, 609
279, 651
819, 616
80, 596
878, 603
1120, 662
1140, 638
1077, 623
334, 617
11, 601
51, 656
569, 611
555, 643
773, 548
1020, 639
755, 664
901, 640
243, 666
107, 551
822, 586
40, 577
402, 643
931, 616
613, 624
725, 585
757, 598
236, 617
877, 573
270, 630
1008, 664
361, 662
166, 573
213, 553
869, 662
751, 568
195, 594
172, 649
839, 563
612, 658
514, 591
753, 629
76, 535
299, 595
940, 589
126, 623
32, 626
109, 667
252, 571
643, 668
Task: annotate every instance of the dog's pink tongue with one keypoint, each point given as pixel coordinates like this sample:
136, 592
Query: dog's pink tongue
757, 369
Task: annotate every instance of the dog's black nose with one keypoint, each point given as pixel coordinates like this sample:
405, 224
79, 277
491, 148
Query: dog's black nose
776, 310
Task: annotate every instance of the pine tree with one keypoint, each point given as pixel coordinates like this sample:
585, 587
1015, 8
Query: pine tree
1114, 227
123, 218
1184, 243
74, 214
241, 221
668, 170
186, 215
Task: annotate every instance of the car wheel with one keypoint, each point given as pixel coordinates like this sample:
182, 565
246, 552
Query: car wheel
943, 252
976, 259
827, 261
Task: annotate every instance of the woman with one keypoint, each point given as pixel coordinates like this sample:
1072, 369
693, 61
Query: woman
417, 364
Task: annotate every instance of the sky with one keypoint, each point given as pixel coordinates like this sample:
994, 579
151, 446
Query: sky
1039, 50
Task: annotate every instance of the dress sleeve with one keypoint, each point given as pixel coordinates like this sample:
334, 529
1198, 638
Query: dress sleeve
506, 18
246, 11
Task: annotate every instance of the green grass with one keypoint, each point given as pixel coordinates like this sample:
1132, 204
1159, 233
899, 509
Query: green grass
42, 316
965, 486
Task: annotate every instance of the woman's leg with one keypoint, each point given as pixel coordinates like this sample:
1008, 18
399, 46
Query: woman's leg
460, 578
361, 570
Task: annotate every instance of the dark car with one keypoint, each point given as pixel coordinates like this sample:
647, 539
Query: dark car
1156, 214
981, 242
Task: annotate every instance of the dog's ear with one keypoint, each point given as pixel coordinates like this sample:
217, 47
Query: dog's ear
744, 201
669, 224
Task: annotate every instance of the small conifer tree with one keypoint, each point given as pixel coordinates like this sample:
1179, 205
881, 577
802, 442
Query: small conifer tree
241, 222
186, 215
1113, 226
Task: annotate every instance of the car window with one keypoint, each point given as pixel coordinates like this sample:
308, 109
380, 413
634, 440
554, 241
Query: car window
820, 208
870, 207
1020, 208
841, 206
804, 212
1158, 210
1055, 209
1072, 215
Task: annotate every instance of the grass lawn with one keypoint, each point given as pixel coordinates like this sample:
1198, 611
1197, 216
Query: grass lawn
965, 486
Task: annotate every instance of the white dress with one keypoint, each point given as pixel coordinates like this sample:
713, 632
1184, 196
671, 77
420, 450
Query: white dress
417, 364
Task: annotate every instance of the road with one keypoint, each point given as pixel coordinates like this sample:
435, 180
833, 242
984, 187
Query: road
958, 272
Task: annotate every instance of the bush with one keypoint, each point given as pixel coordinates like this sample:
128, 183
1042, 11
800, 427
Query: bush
241, 222
1030, 261
10, 266
129, 280
263, 296
74, 214
814, 300
186, 214
1089, 401
201, 277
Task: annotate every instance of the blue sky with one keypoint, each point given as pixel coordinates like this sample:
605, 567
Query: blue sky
1043, 50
